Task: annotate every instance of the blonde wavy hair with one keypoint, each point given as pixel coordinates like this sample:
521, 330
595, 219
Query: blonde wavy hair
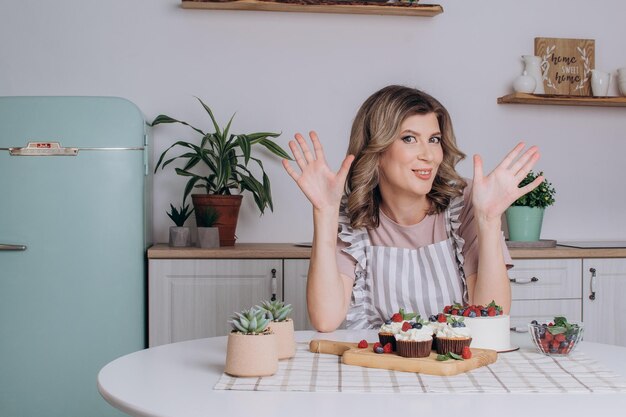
375, 127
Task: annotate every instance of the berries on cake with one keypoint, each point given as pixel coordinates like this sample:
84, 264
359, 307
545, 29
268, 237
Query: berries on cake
393, 326
489, 326
414, 339
452, 336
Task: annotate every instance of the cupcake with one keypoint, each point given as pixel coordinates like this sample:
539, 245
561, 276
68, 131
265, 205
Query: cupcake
452, 337
415, 342
387, 332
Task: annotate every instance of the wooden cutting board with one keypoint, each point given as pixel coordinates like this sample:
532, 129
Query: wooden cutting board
352, 355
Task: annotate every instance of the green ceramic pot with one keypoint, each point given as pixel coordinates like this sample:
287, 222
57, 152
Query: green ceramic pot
524, 223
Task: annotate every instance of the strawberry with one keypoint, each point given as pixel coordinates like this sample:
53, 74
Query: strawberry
406, 326
447, 309
466, 312
466, 353
362, 344
454, 312
397, 318
491, 311
548, 337
387, 348
560, 337
441, 318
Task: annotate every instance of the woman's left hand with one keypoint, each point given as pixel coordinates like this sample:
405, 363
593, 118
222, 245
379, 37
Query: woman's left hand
494, 193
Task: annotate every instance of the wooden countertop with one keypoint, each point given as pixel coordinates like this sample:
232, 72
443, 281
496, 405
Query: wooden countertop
291, 251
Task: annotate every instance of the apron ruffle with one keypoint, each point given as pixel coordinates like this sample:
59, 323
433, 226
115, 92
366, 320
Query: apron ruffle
453, 224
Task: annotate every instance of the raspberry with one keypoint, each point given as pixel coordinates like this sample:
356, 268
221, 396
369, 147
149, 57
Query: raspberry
363, 344
454, 312
397, 318
466, 353
441, 318
447, 309
406, 326
387, 348
376, 346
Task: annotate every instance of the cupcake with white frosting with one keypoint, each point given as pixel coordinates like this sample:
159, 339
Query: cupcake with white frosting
415, 342
393, 326
452, 336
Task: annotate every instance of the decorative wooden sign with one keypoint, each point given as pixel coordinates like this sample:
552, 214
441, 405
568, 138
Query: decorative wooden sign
566, 65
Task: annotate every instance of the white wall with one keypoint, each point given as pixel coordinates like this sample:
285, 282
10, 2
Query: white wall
294, 72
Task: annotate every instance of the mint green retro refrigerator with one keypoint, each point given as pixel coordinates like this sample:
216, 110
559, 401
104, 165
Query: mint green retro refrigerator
74, 182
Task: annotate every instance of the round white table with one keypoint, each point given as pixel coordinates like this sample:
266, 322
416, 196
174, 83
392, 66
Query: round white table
177, 380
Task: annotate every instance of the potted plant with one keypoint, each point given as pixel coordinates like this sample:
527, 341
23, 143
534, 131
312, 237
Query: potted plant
251, 346
277, 312
180, 235
218, 163
208, 234
525, 216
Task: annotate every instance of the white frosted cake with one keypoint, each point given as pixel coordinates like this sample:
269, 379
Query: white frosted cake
490, 328
490, 332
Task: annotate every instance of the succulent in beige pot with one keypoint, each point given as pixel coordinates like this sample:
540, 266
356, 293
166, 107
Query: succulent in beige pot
220, 163
280, 323
208, 233
251, 349
180, 235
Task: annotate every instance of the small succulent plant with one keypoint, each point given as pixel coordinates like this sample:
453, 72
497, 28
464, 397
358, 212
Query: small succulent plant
252, 321
179, 216
275, 310
208, 217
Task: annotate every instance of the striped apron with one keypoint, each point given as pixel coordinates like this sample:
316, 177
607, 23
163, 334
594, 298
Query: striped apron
421, 280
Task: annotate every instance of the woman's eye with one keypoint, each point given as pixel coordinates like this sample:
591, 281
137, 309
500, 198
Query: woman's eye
435, 139
409, 139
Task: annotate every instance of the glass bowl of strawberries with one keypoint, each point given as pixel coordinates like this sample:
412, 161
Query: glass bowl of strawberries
556, 338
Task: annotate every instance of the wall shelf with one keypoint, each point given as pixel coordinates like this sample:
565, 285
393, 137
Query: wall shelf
427, 10
561, 100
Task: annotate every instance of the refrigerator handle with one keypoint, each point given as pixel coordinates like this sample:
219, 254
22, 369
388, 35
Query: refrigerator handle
7, 247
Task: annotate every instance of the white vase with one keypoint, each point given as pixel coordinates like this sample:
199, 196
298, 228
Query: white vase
621, 81
532, 67
524, 83
600, 83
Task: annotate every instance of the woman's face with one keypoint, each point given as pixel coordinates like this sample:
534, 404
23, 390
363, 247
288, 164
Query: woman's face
409, 166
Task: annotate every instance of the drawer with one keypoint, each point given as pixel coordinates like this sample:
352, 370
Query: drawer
533, 279
525, 311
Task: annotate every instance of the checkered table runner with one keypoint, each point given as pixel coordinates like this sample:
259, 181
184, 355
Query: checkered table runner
523, 371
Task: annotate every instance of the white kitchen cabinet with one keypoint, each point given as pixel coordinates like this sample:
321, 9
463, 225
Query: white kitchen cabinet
195, 298
604, 309
542, 289
295, 276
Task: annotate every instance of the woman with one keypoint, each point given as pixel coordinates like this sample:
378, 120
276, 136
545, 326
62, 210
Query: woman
413, 234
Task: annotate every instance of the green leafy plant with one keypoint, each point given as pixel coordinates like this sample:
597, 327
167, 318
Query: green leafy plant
542, 196
275, 310
226, 156
208, 217
449, 355
179, 216
250, 321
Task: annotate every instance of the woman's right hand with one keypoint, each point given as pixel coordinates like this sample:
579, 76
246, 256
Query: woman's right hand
318, 182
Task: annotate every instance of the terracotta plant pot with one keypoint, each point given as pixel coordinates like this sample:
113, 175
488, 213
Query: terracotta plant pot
228, 208
251, 355
285, 338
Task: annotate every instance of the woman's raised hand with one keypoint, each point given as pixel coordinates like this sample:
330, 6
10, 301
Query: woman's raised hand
494, 193
320, 185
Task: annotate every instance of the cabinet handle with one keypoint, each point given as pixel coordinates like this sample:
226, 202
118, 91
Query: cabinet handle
274, 284
519, 329
592, 284
527, 281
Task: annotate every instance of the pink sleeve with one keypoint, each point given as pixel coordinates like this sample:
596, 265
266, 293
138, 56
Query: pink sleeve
469, 232
345, 263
